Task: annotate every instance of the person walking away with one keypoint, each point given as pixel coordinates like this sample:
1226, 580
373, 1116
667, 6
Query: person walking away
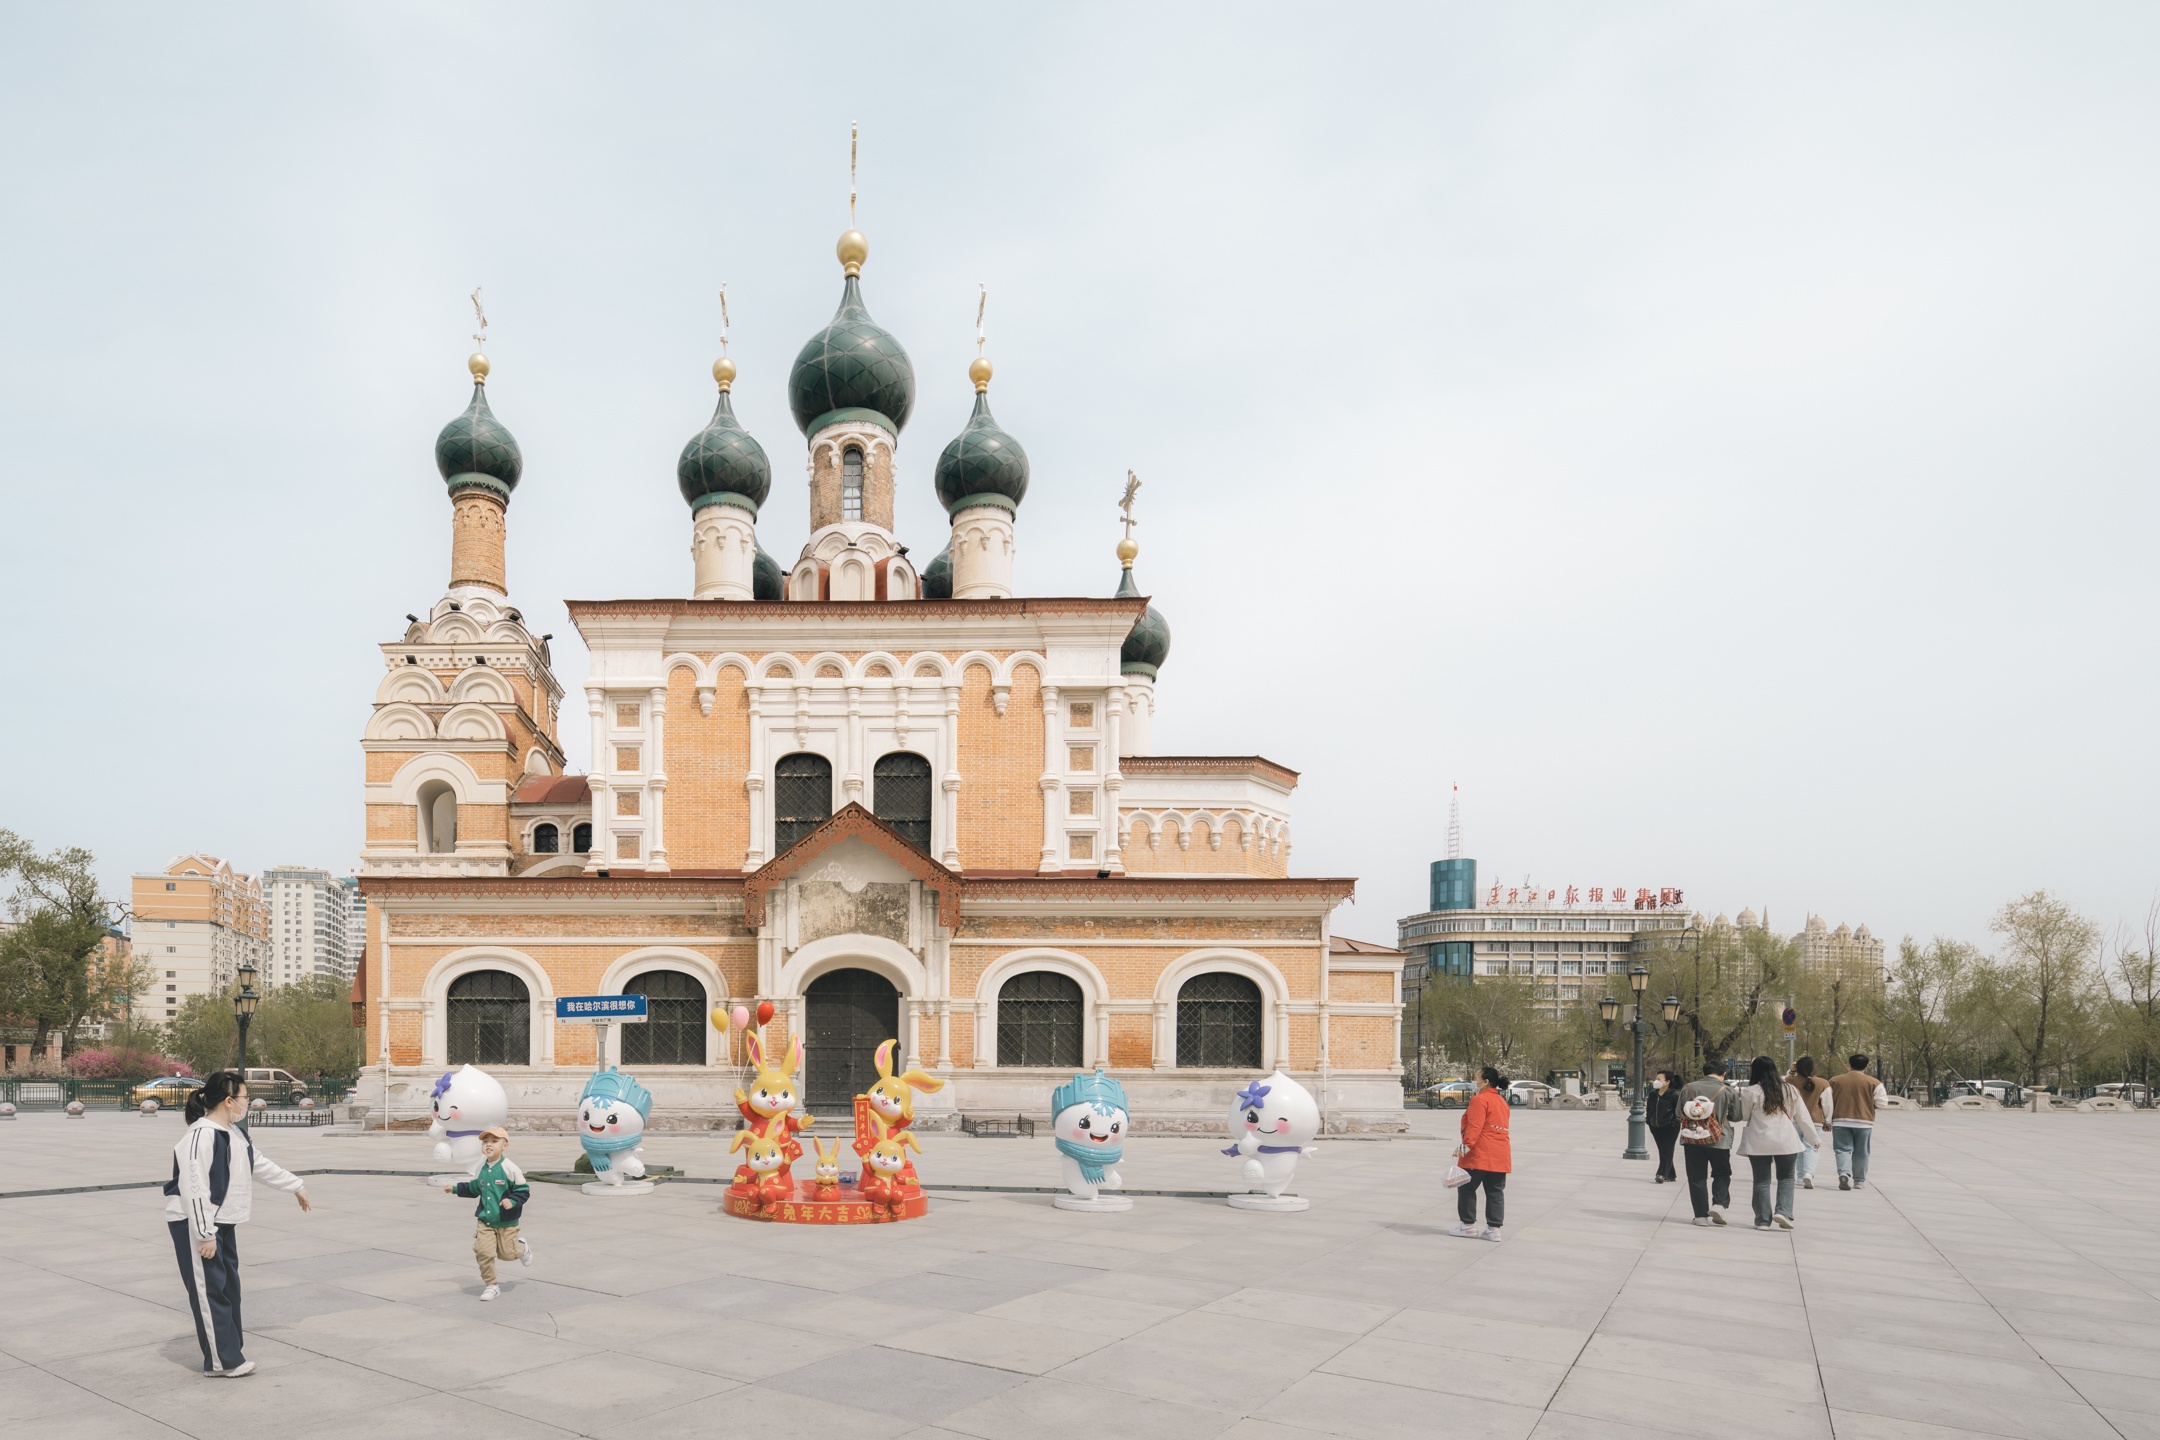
1812, 1088
1664, 1120
1709, 1159
1853, 1098
1774, 1128
1485, 1154
502, 1192
214, 1171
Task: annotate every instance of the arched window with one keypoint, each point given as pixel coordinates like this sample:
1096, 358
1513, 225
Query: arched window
901, 796
1039, 1018
851, 484
802, 797
438, 817
490, 1019
581, 839
1218, 1022
546, 839
674, 1029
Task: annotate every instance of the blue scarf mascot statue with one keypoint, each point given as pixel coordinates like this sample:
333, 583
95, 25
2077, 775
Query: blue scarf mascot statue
611, 1125
1090, 1122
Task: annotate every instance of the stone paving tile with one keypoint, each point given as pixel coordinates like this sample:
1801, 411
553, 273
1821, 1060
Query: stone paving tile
916, 1388
1710, 1411
1004, 1343
586, 1395
2113, 1391
1316, 1311
1214, 1361
1371, 1410
1054, 1409
1964, 1405
432, 1417
1509, 1378
1069, 1309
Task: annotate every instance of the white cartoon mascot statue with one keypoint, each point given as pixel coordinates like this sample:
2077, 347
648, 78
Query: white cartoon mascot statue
1090, 1118
1273, 1121
611, 1127
467, 1101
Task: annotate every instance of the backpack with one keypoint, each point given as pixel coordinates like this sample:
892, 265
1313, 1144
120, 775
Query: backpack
1700, 1122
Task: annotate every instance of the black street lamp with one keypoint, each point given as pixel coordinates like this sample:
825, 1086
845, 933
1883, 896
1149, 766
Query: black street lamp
1638, 979
243, 1008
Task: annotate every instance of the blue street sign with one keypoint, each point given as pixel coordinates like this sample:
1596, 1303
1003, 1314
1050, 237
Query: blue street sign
599, 1009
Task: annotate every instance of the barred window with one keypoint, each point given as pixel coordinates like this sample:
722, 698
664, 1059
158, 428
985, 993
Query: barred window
901, 795
490, 1018
581, 840
802, 797
545, 839
1218, 1022
674, 1028
1039, 1019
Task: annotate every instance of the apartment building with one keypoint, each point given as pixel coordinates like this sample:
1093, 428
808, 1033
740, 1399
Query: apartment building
196, 921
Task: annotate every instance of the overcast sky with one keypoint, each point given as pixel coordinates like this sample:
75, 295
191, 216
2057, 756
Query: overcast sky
1719, 438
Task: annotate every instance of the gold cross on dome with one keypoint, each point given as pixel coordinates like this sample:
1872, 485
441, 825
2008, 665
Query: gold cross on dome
479, 340
723, 318
1132, 488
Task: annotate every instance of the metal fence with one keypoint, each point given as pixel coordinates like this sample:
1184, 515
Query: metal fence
54, 1094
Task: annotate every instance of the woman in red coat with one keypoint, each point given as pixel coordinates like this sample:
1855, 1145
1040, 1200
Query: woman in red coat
1484, 1153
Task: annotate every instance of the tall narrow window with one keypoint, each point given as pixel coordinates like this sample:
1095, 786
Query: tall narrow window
674, 1029
802, 797
1218, 1022
581, 839
545, 839
851, 484
902, 795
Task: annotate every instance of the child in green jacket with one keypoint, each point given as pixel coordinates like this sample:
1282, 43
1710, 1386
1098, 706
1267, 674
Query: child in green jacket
502, 1192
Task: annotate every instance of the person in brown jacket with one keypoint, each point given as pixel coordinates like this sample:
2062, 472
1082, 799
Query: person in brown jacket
1853, 1098
1812, 1088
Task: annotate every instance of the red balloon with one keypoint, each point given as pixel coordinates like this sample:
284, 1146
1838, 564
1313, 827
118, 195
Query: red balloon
764, 1012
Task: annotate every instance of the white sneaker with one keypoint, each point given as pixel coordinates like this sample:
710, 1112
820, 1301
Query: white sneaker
1783, 1222
1704, 1220
490, 1293
1717, 1217
1844, 1182
1467, 1232
245, 1367
1808, 1183
1859, 1184
1490, 1233
524, 1251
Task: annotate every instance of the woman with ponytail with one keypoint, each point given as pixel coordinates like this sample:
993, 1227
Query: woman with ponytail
209, 1195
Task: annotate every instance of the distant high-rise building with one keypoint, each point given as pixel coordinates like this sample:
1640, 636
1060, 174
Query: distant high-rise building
308, 914
196, 922
355, 923
1854, 953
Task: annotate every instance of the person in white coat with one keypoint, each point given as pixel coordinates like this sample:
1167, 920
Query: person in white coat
1774, 1129
214, 1170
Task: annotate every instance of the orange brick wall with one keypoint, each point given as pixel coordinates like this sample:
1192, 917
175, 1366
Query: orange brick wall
1361, 1042
1001, 766
708, 815
1361, 987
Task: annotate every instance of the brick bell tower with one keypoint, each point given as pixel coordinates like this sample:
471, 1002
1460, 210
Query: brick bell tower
468, 703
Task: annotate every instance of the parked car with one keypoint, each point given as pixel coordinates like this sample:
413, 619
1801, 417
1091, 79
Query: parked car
2130, 1090
276, 1086
170, 1091
1449, 1094
1531, 1092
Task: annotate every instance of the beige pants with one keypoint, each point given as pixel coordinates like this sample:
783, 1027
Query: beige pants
489, 1244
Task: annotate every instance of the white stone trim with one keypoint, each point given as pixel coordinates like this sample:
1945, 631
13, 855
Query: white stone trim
1275, 1004
435, 999
1094, 997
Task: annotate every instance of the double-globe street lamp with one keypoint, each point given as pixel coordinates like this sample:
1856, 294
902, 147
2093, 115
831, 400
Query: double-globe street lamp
1638, 1130
244, 1002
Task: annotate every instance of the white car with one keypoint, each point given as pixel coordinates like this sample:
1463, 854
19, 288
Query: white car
1530, 1092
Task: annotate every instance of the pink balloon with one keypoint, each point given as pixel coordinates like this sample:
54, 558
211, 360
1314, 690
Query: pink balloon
741, 1017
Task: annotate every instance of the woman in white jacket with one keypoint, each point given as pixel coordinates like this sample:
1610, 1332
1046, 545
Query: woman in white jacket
210, 1194
1773, 1124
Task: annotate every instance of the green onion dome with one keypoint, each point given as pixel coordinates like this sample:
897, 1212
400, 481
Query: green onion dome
853, 369
1148, 644
474, 451
766, 580
937, 576
983, 465
722, 464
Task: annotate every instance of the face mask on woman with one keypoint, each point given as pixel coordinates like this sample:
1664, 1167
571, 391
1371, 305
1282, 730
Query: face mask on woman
1658, 1084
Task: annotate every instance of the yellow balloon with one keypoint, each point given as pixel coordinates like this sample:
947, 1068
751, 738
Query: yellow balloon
720, 1018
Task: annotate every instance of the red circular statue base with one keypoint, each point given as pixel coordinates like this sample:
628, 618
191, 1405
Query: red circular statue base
804, 1207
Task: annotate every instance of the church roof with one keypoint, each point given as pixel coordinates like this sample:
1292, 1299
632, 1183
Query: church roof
983, 465
850, 822
553, 790
853, 369
475, 451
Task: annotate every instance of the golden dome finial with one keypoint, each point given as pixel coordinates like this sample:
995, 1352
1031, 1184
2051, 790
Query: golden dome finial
723, 370
478, 364
979, 372
853, 249
979, 367
1128, 549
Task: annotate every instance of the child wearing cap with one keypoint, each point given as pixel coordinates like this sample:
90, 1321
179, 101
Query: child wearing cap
502, 1192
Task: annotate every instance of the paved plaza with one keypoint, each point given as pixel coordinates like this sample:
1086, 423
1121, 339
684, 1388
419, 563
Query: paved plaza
1999, 1277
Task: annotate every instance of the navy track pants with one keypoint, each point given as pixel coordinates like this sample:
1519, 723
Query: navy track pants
213, 1292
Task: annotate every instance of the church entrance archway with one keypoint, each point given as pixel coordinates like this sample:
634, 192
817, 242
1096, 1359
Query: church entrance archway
847, 1015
